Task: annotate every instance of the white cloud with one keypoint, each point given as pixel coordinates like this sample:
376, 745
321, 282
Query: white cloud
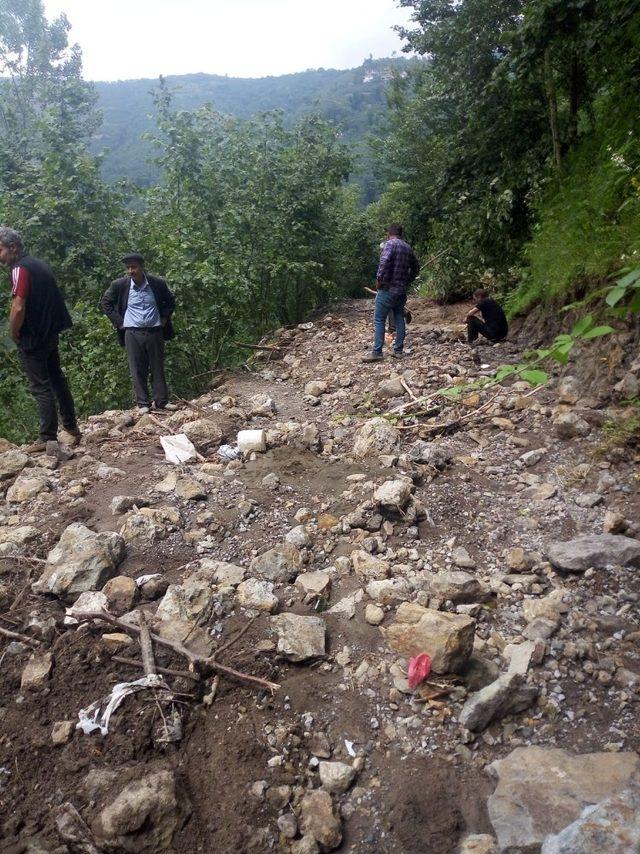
124, 39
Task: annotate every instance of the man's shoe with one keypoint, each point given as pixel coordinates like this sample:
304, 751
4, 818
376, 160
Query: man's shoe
372, 357
142, 410
36, 448
398, 354
167, 407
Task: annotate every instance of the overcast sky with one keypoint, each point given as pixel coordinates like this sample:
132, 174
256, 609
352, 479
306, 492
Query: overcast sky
125, 39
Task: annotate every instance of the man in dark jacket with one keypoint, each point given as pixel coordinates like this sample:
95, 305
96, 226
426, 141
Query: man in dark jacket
397, 269
38, 314
140, 306
486, 318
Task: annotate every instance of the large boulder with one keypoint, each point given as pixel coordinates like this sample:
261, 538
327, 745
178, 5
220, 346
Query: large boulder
376, 436
612, 826
542, 790
446, 638
594, 550
82, 560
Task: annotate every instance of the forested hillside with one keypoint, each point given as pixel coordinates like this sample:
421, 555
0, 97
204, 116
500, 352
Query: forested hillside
511, 154
353, 100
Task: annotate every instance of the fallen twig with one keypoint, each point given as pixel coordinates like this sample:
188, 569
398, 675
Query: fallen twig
235, 638
146, 646
199, 663
17, 636
165, 671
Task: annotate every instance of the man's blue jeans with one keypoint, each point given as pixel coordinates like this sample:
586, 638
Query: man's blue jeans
385, 303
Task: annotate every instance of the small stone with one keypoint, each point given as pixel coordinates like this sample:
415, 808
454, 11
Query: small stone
446, 638
463, 559
121, 593
373, 615
288, 825
336, 777
256, 594
299, 638
315, 583
36, 672
62, 732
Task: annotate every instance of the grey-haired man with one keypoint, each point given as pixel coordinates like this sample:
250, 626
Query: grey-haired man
37, 316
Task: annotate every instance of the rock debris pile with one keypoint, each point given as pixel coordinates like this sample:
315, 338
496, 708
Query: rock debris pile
241, 625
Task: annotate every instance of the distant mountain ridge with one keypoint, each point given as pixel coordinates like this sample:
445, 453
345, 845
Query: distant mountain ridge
353, 99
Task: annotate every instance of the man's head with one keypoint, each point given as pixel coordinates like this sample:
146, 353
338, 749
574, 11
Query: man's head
11, 245
395, 230
479, 294
134, 265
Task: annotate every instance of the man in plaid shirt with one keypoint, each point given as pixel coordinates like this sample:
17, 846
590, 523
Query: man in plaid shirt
398, 267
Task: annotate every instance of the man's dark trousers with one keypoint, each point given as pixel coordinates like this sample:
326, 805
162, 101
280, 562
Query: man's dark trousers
145, 351
476, 327
47, 384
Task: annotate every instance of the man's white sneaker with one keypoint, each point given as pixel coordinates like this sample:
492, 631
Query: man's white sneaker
168, 407
143, 410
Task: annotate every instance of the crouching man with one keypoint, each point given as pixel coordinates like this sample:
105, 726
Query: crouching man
140, 307
486, 318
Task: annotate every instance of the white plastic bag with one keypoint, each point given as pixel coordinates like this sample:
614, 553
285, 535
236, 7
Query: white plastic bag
178, 449
91, 718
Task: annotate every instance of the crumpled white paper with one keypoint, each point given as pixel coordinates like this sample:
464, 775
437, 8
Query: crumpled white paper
92, 719
178, 449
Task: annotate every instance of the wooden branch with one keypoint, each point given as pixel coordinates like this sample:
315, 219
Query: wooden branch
166, 671
22, 638
235, 638
146, 646
196, 661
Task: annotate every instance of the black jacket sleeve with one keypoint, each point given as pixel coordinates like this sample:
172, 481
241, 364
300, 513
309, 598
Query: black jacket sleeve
168, 299
110, 304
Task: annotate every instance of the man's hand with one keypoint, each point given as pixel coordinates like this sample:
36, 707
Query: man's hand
16, 317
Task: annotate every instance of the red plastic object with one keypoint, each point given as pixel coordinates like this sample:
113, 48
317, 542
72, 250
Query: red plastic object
419, 670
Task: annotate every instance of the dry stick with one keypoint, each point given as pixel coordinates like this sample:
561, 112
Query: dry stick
405, 386
167, 671
195, 660
22, 638
146, 646
235, 638
206, 373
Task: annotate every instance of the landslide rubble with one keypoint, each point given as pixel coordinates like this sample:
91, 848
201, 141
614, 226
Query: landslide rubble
281, 589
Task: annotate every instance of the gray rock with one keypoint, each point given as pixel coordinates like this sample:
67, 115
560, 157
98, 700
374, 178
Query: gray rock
336, 777
612, 826
123, 503
81, 561
223, 573
373, 614
279, 565
478, 843
298, 537
393, 494
531, 458
367, 567
594, 550
11, 463
463, 559
568, 425
143, 817
588, 499
628, 387
256, 594
456, 585
315, 583
187, 601
25, 487
505, 696
203, 432
389, 591
15, 541
36, 672
542, 790
316, 388
375, 437
300, 638
391, 387
318, 820
430, 453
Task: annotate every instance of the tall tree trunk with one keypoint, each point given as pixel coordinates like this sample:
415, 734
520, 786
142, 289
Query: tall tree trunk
552, 107
575, 91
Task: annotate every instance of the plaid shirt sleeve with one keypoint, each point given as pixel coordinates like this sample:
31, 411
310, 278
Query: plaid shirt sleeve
385, 266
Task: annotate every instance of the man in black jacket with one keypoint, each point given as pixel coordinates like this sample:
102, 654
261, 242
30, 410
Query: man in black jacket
486, 318
140, 306
38, 314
